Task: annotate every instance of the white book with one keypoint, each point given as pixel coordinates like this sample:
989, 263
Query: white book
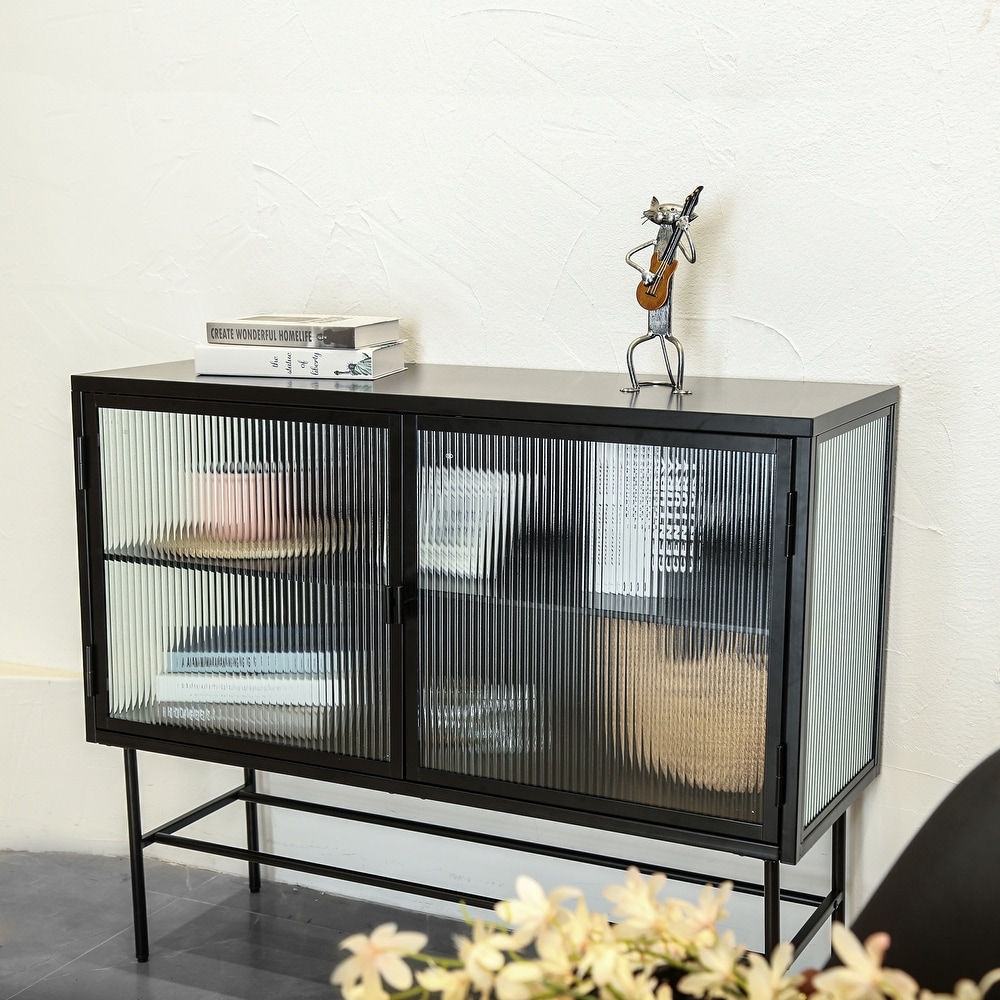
467, 519
253, 649
324, 332
644, 521
244, 689
298, 362
271, 722
297, 661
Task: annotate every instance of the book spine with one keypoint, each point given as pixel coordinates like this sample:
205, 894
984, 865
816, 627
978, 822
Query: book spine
271, 335
642, 516
180, 661
286, 721
276, 689
346, 337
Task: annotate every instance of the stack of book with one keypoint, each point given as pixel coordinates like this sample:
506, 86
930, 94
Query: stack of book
341, 347
250, 666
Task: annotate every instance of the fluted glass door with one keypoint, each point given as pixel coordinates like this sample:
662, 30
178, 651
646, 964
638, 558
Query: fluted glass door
245, 561
595, 616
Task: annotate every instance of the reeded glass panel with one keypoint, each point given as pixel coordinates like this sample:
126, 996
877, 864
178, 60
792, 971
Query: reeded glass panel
594, 617
245, 561
850, 515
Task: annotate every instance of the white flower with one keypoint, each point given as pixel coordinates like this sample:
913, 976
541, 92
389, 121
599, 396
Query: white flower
532, 913
576, 954
862, 977
452, 984
629, 984
365, 991
673, 928
768, 980
482, 955
636, 901
375, 958
966, 989
605, 959
556, 960
519, 981
604, 963
698, 921
575, 929
717, 974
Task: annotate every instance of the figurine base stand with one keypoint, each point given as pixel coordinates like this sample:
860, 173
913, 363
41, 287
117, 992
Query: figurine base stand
659, 329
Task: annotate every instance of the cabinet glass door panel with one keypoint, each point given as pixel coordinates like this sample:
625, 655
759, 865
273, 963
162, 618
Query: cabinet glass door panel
245, 565
595, 617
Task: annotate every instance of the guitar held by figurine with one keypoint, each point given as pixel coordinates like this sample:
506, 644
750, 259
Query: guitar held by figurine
673, 222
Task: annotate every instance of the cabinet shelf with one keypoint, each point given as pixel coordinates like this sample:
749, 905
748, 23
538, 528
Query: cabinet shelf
469, 597
315, 550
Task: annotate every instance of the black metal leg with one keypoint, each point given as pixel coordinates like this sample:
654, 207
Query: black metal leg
139, 921
838, 868
253, 829
772, 906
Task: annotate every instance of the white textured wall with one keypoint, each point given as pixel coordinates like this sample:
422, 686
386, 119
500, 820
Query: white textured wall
480, 169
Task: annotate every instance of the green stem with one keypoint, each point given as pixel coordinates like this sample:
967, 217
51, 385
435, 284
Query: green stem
413, 991
434, 960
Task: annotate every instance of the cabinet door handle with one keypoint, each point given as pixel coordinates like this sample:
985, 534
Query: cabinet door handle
80, 445
89, 672
394, 605
790, 525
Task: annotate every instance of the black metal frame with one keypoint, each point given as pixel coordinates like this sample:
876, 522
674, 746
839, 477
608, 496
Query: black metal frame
770, 889
100, 724
698, 829
807, 834
403, 772
562, 403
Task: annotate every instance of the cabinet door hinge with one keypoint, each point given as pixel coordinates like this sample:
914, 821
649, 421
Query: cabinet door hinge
89, 672
790, 519
81, 463
781, 776
394, 605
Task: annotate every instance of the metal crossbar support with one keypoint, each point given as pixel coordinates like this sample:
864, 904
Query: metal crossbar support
770, 890
200, 812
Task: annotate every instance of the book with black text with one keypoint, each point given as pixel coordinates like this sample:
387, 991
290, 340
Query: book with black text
351, 332
299, 362
291, 649
281, 665
245, 689
269, 661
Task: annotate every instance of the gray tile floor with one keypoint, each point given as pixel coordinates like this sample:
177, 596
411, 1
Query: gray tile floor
66, 933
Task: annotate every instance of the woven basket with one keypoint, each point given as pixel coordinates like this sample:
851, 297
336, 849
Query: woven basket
697, 716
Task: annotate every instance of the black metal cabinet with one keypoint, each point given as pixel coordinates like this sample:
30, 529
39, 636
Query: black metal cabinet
524, 590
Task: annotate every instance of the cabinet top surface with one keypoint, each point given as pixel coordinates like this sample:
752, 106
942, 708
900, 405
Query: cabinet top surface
715, 404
